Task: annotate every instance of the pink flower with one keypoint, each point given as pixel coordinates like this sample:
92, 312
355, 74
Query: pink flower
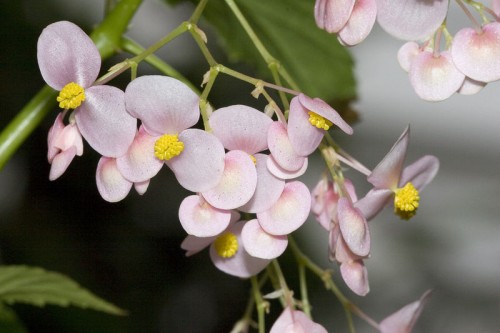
70, 62
404, 319
390, 180
167, 108
64, 143
294, 321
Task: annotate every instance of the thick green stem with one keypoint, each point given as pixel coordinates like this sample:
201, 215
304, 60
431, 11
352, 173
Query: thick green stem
107, 37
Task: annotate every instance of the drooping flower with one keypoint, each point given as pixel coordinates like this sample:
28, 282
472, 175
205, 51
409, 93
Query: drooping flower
404, 319
167, 108
69, 62
64, 143
291, 321
390, 180
411, 19
360, 23
332, 15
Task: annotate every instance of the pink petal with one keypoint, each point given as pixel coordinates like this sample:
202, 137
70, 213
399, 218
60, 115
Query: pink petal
200, 219
495, 6
268, 189
387, 173
140, 163
164, 105
281, 148
192, 244
318, 106
471, 87
66, 54
70, 137
411, 19
237, 184
332, 15
404, 319
373, 202
240, 127
295, 322
61, 162
360, 23
421, 172
354, 227
200, 165
343, 253
281, 173
241, 264
407, 53
111, 184
104, 122
435, 78
260, 244
355, 277
476, 55
54, 133
289, 212
141, 187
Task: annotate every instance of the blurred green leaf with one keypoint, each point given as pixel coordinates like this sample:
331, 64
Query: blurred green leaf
316, 61
9, 321
36, 286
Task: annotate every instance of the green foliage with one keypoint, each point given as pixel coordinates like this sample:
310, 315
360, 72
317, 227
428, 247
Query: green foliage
9, 321
316, 61
36, 286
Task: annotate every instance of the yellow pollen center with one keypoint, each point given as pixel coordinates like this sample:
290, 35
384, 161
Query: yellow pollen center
71, 96
168, 146
318, 121
406, 201
226, 245
254, 160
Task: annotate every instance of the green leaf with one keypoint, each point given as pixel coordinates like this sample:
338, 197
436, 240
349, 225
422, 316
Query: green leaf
316, 61
36, 286
9, 321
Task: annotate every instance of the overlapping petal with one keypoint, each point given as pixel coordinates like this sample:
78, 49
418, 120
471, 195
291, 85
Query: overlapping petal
66, 54
260, 244
332, 15
163, 104
354, 227
360, 22
421, 172
373, 202
282, 149
279, 172
355, 275
112, 186
201, 219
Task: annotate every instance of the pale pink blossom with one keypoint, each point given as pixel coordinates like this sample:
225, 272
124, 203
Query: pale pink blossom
360, 23
295, 321
404, 319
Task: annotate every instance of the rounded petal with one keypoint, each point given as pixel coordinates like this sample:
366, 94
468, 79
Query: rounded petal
200, 165
477, 54
192, 244
111, 184
387, 173
240, 127
373, 202
141, 187
164, 105
61, 162
260, 244
200, 219
360, 23
241, 264
410, 19
281, 148
421, 172
471, 87
353, 227
404, 319
66, 54
355, 277
268, 189
104, 123
332, 15
237, 184
289, 212
435, 78
279, 172
407, 53
140, 163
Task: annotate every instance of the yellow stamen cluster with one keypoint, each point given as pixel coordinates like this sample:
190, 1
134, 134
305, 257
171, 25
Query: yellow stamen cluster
226, 245
71, 96
406, 201
318, 121
168, 146
254, 160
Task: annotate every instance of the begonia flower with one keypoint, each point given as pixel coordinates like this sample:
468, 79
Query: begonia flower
295, 321
411, 19
308, 121
64, 143
404, 319
167, 108
69, 62
391, 180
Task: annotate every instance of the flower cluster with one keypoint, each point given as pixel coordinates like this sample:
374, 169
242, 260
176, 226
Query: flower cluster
469, 60
242, 168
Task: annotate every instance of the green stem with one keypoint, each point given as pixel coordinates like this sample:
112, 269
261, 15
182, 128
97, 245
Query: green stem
306, 306
107, 37
260, 304
212, 75
198, 11
201, 42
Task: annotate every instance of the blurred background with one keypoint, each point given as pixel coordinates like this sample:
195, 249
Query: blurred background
129, 254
